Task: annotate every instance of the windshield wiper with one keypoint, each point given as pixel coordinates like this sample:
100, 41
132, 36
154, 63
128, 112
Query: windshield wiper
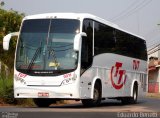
33, 59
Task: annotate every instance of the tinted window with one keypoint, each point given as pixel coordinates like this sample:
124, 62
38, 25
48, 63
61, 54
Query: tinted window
110, 40
124, 44
129, 45
104, 38
65, 26
46, 46
39, 26
87, 44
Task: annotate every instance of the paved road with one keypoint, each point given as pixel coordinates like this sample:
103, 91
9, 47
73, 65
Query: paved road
145, 108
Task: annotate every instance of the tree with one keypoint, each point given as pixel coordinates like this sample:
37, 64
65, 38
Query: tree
2, 3
9, 22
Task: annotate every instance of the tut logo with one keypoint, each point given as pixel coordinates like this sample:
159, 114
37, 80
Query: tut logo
118, 73
136, 64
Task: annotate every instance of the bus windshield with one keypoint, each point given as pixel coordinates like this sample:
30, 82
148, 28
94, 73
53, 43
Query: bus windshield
45, 46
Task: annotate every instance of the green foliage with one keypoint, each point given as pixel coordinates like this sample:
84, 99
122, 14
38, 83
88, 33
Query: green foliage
6, 89
2, 3
7, 93
10, 21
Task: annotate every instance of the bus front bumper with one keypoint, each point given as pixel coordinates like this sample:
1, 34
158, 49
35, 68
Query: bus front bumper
47, 92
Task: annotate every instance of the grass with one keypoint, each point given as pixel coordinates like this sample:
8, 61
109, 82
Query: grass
6, 90
7, 93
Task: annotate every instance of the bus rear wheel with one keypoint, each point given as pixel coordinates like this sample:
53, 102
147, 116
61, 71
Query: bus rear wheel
43, 102
96, 97
133, 99
135, 95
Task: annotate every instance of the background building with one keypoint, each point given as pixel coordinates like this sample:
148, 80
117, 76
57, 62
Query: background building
154, 70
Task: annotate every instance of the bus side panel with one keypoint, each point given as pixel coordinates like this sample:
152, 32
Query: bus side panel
118, 74
85, 83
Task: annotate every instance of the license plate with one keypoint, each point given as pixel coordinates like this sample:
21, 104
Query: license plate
43, 94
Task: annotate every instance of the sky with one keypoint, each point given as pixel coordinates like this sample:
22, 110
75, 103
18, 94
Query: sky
140, 17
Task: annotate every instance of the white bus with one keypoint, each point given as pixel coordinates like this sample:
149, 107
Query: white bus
77, 56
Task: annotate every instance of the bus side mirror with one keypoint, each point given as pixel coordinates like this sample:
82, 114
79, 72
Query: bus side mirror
7, 38
77, 40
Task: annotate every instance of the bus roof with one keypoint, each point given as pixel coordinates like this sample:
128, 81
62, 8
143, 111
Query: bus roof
79, 16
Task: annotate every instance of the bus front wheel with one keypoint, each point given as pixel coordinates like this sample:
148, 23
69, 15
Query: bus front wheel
96, 97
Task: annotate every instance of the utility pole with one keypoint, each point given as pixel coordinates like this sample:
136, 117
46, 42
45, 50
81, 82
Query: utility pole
158, 47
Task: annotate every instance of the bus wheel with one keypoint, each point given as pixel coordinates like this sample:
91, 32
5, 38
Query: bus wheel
96, 97
43, 102
133, 99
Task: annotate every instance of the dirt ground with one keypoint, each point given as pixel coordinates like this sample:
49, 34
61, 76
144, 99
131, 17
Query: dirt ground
154, 95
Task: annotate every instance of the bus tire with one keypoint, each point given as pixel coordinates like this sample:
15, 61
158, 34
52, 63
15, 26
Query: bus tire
133, 99
43, 102
96, 97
